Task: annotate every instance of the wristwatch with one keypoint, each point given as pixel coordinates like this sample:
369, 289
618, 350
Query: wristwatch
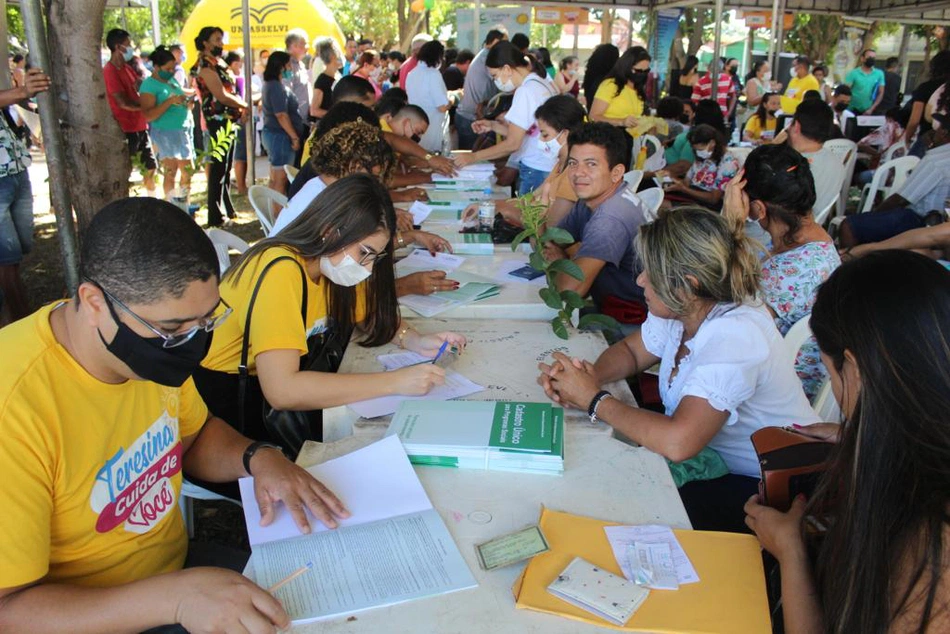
429, 157
253, 449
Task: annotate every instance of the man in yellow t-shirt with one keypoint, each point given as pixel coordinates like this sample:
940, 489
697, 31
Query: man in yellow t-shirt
802, 82
99, 418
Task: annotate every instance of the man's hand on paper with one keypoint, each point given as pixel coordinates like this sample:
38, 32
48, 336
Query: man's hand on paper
443, 165
276, 479
429, 241
213, 600
779, 533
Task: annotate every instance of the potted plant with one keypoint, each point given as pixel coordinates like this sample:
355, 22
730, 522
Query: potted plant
533, 215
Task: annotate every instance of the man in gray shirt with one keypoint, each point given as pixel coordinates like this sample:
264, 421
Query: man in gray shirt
604, 220
479, 88
296, 42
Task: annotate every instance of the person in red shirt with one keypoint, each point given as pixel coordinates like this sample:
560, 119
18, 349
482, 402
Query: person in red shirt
122, 84
410, 63
725, 93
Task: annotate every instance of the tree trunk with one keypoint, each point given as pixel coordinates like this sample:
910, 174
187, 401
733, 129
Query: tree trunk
607, 26
696, 34
95, 145
410, 24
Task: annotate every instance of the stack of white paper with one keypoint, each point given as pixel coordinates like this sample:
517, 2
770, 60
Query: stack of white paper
394, 547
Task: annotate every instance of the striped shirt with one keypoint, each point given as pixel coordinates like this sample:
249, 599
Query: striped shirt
724, 90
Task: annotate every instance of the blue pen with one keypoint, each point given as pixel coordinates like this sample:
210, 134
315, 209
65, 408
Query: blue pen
441, 350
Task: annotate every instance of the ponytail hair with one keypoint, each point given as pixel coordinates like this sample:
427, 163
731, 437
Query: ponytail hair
692, 253
781, 179
505, 53
161, 56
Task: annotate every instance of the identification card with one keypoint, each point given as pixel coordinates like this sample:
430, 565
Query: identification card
510, 549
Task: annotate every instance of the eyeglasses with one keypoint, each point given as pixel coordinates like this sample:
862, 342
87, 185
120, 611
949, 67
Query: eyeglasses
368, 256
179, 338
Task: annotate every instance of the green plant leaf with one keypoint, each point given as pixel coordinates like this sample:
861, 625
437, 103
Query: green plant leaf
536, 260
596, 319
557, 236
518, 239
568, 267
573, 299
550, 297
559, 327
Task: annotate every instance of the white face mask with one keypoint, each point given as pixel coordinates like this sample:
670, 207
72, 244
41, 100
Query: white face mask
508, 86
550, 148
767, 76
348, 272
704, 154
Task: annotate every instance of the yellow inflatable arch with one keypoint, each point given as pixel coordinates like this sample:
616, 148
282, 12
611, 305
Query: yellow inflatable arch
270, 21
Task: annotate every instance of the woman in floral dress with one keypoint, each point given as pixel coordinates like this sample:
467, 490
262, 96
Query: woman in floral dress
776, 189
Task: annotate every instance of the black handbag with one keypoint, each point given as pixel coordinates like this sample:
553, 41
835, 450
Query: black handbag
325, 351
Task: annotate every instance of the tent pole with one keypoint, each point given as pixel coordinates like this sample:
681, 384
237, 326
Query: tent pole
53, 142
477, 42
5, 79
772, 58
781, 36
156, 24
577, 34
717, 46
903, 56
248, 71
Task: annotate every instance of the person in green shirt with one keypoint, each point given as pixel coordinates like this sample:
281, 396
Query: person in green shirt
867, 84
171, 128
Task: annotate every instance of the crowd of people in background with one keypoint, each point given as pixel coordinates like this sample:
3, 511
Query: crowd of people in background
703, 285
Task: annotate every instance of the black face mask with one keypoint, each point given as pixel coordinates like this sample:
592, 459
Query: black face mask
841, 107
150, 361
684, 119
415, 138
733, 70
869, 63
217, 51
638, 79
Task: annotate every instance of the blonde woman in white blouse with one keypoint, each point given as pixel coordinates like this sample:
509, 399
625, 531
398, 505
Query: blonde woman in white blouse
724, 368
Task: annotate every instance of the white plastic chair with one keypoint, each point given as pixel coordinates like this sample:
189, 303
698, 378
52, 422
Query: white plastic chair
847, 150
651, 198
633, 178
900, 168
189, 492
291, 172
896, 150
262, 198
797, 335
821, 215
741, 153
223, 243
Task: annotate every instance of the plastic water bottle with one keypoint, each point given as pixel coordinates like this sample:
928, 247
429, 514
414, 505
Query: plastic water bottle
486, 212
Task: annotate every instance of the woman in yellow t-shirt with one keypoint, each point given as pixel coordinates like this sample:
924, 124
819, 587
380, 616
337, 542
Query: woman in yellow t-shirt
620, 98
340, 253
760, 128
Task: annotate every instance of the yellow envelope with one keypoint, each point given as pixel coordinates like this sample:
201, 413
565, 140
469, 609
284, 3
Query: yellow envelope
730, 597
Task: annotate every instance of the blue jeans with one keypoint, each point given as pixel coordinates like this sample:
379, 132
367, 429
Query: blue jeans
530, 179
463, 125
16, 218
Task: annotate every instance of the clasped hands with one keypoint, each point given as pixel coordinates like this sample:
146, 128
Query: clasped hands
569, 381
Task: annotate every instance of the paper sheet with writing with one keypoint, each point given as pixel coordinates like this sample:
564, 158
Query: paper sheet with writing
455, 386
420, 211
390, 487
394, 548
422, 260
622, 537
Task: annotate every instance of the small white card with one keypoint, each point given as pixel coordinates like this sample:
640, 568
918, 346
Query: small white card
420, 211
591, 588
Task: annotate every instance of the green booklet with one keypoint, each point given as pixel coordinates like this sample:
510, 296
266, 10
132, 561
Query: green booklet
470, 428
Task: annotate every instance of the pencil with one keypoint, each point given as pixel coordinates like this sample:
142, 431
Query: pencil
296, 573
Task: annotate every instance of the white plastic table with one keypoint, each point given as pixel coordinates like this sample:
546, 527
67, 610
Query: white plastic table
517, 299
603, 478
502, 355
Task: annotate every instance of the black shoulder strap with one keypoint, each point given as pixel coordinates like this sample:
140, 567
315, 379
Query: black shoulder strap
246, 339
